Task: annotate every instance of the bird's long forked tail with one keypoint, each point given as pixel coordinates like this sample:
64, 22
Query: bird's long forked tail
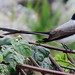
13, 31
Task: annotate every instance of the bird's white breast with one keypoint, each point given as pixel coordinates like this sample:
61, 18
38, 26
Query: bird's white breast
67, 40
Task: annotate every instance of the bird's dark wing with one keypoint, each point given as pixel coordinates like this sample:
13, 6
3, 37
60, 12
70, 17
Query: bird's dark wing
61, 32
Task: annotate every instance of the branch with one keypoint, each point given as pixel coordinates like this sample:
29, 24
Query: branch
43, 70
70, 59
46, 71
68, 68
66, 62
53, 47
55, 63
35, 63
22, 72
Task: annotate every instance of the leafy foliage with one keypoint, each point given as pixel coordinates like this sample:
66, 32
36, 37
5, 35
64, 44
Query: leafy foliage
5, 41
12, 57
39, 53
21, 46
13, 53
14, 50
3, 69
63, 61
1, 58
46, 63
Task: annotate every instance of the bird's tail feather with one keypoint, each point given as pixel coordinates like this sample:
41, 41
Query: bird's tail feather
12, 31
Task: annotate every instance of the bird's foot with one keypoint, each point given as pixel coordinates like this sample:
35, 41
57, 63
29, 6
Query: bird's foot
39, 41
66, 47
45, 40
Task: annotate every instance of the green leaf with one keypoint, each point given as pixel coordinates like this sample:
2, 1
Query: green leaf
3, 69
1, 58
62, 60
46, 63
12, 65
40, 55
5, 41
21, 46
11, 57
57, 57
39, 52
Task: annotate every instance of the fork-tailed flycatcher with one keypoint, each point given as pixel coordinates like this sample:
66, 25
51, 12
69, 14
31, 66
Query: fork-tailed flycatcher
64, 34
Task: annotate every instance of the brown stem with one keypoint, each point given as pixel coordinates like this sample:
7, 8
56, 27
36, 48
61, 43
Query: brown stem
35, 63
53, 47
55, 63
46, 71
22, 72
43, 70
69, 58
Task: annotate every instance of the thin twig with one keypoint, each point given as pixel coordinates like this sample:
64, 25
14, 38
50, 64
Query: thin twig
66, 62
53, 47
43, 70
55, 63
35, 63
68, 68
22, 72
70, 59
46, 71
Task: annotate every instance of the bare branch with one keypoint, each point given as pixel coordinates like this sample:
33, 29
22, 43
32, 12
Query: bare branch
53, 47
43, 70
69, 58
68, 68
46, 71
22, 72
35, 63
55, 63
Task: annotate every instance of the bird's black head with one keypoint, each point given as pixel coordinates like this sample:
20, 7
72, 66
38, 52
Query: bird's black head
73, 17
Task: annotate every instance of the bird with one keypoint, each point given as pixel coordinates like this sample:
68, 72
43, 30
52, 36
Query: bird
63, 34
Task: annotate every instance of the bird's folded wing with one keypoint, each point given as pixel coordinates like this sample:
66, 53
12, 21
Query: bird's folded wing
60, 34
